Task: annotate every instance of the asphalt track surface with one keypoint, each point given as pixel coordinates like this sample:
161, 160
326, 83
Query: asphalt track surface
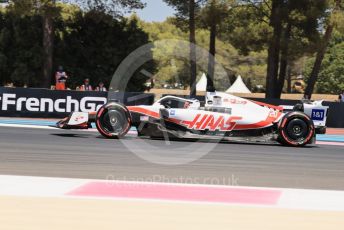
77, 154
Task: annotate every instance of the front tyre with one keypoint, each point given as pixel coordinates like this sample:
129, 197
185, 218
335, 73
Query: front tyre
296, 129
113, 120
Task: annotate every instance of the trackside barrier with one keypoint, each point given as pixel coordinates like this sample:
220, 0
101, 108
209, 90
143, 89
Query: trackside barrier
44, 103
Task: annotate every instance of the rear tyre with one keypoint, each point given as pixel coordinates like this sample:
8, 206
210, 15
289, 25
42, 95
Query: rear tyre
296, 129
113, 120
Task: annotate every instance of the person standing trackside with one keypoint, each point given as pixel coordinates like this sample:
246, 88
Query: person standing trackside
101, 87
61, 78
86, 86
341, 97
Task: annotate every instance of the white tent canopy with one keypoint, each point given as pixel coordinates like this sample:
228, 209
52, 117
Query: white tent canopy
238, 86
201, 85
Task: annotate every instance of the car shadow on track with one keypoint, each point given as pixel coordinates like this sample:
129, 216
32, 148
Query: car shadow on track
188, 140
221, 142
71, 135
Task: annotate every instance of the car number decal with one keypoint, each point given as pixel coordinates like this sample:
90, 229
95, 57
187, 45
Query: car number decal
318, 114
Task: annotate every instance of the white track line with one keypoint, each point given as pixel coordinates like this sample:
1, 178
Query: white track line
312, 199
27, 126
43, 127
37, 186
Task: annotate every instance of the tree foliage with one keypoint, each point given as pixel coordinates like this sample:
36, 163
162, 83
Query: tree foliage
49, 11
333, 21
331, 75
265, 41
251, 66
88, 44
286, 29
188, 11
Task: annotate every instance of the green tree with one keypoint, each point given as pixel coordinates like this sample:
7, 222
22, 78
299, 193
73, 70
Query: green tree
287, 29
89, 44
299, 36
168, 71
20, 49
212, 17
331, 76
252, 65
188, 11
49, 10
334, 20
93, 44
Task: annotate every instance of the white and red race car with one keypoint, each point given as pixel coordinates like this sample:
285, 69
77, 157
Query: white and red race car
223, 116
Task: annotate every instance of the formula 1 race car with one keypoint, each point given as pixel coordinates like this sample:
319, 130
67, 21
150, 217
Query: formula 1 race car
222, 116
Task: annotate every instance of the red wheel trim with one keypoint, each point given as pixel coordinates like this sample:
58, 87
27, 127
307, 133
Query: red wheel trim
100, 127
283, 123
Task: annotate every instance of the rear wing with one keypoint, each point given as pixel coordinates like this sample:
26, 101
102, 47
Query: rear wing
314, 109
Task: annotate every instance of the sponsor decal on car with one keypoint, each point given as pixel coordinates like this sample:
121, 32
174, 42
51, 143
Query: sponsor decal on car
273, 113
318, 114
235, 101
144, 118
79, 118
209, 122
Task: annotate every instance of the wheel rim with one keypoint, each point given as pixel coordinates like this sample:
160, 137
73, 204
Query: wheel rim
297, 129
113, 122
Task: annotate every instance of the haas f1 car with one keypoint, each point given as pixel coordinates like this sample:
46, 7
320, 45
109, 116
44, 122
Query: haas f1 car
222, 116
